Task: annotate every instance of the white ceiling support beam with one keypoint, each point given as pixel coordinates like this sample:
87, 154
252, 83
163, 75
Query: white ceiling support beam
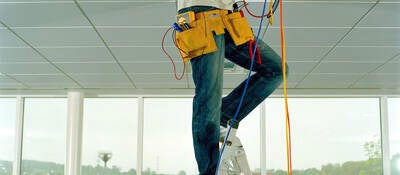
74, 133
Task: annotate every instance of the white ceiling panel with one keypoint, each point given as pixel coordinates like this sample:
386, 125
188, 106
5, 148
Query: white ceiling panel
162, 85
6, 80
91, 79
77, 54
11, 86
60, 36
301, 53
28, 68
383, 15
135, 36
362, 54
19, 54
160, 67
151, 78
92, 68
391, 68
329, 80
300, 67
50, 85
37, 14
306, 36
346, 67
37, 79
130, 13
314, 14
144, 54
379, 81
107, 85
7, 39
373, 37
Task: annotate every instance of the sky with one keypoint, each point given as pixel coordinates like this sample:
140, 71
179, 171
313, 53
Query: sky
324, 130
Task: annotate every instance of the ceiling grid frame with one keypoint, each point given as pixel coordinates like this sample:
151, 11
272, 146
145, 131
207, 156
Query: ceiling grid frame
39, 53
105, 43
338, 42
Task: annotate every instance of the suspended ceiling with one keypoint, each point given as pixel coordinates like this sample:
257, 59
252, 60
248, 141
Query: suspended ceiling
333, 46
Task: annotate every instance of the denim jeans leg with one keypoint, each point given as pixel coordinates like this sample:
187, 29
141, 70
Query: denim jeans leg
207, 76
268, 76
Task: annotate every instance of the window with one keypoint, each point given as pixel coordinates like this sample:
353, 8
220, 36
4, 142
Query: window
109, 131
394, 134
44, 142
328, 135
168, 136
7, 134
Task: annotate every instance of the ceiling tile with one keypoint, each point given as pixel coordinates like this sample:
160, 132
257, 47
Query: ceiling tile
314, 13
346, 67
86, 79
300, 67
19, 54
42, 14
305, 36
28, 68
91, 68
77, 54
8, 39
11, 86
151, 78
130, 13
373, 37
107, 85
360, 54
390, 68
300, 53
135, 36
7, 80
329, 80
60, 36
160, 67
37, 79
162, 85
379, 81
383, 15
50, 85
144, 54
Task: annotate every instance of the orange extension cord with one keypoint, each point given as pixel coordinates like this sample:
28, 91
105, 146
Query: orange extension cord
288, 138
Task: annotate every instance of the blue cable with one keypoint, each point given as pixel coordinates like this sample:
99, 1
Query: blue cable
247, 83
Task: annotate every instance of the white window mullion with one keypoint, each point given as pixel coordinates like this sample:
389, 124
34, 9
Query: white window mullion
19, 128
139, 166
385, 135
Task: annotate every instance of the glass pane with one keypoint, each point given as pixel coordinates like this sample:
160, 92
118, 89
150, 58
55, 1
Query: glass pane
44, 141
109, 136
7, 134
329, 135
167, 140
249, 134
394, 134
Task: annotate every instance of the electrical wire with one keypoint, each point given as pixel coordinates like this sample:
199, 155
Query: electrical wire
270, 13
170, 58
244, 90
288, 137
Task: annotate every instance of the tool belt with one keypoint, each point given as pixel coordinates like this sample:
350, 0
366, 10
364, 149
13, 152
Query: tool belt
199, 38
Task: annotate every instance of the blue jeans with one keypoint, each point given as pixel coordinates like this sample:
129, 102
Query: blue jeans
210, 110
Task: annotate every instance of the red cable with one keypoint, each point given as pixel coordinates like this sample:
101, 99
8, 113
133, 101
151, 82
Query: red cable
170, 58
251, 52
253, 15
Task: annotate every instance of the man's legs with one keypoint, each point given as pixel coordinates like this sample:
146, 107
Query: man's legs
207, 76
267, 78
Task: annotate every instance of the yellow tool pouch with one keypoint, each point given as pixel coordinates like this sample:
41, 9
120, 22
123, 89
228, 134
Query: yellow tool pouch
238, 28
199, 39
